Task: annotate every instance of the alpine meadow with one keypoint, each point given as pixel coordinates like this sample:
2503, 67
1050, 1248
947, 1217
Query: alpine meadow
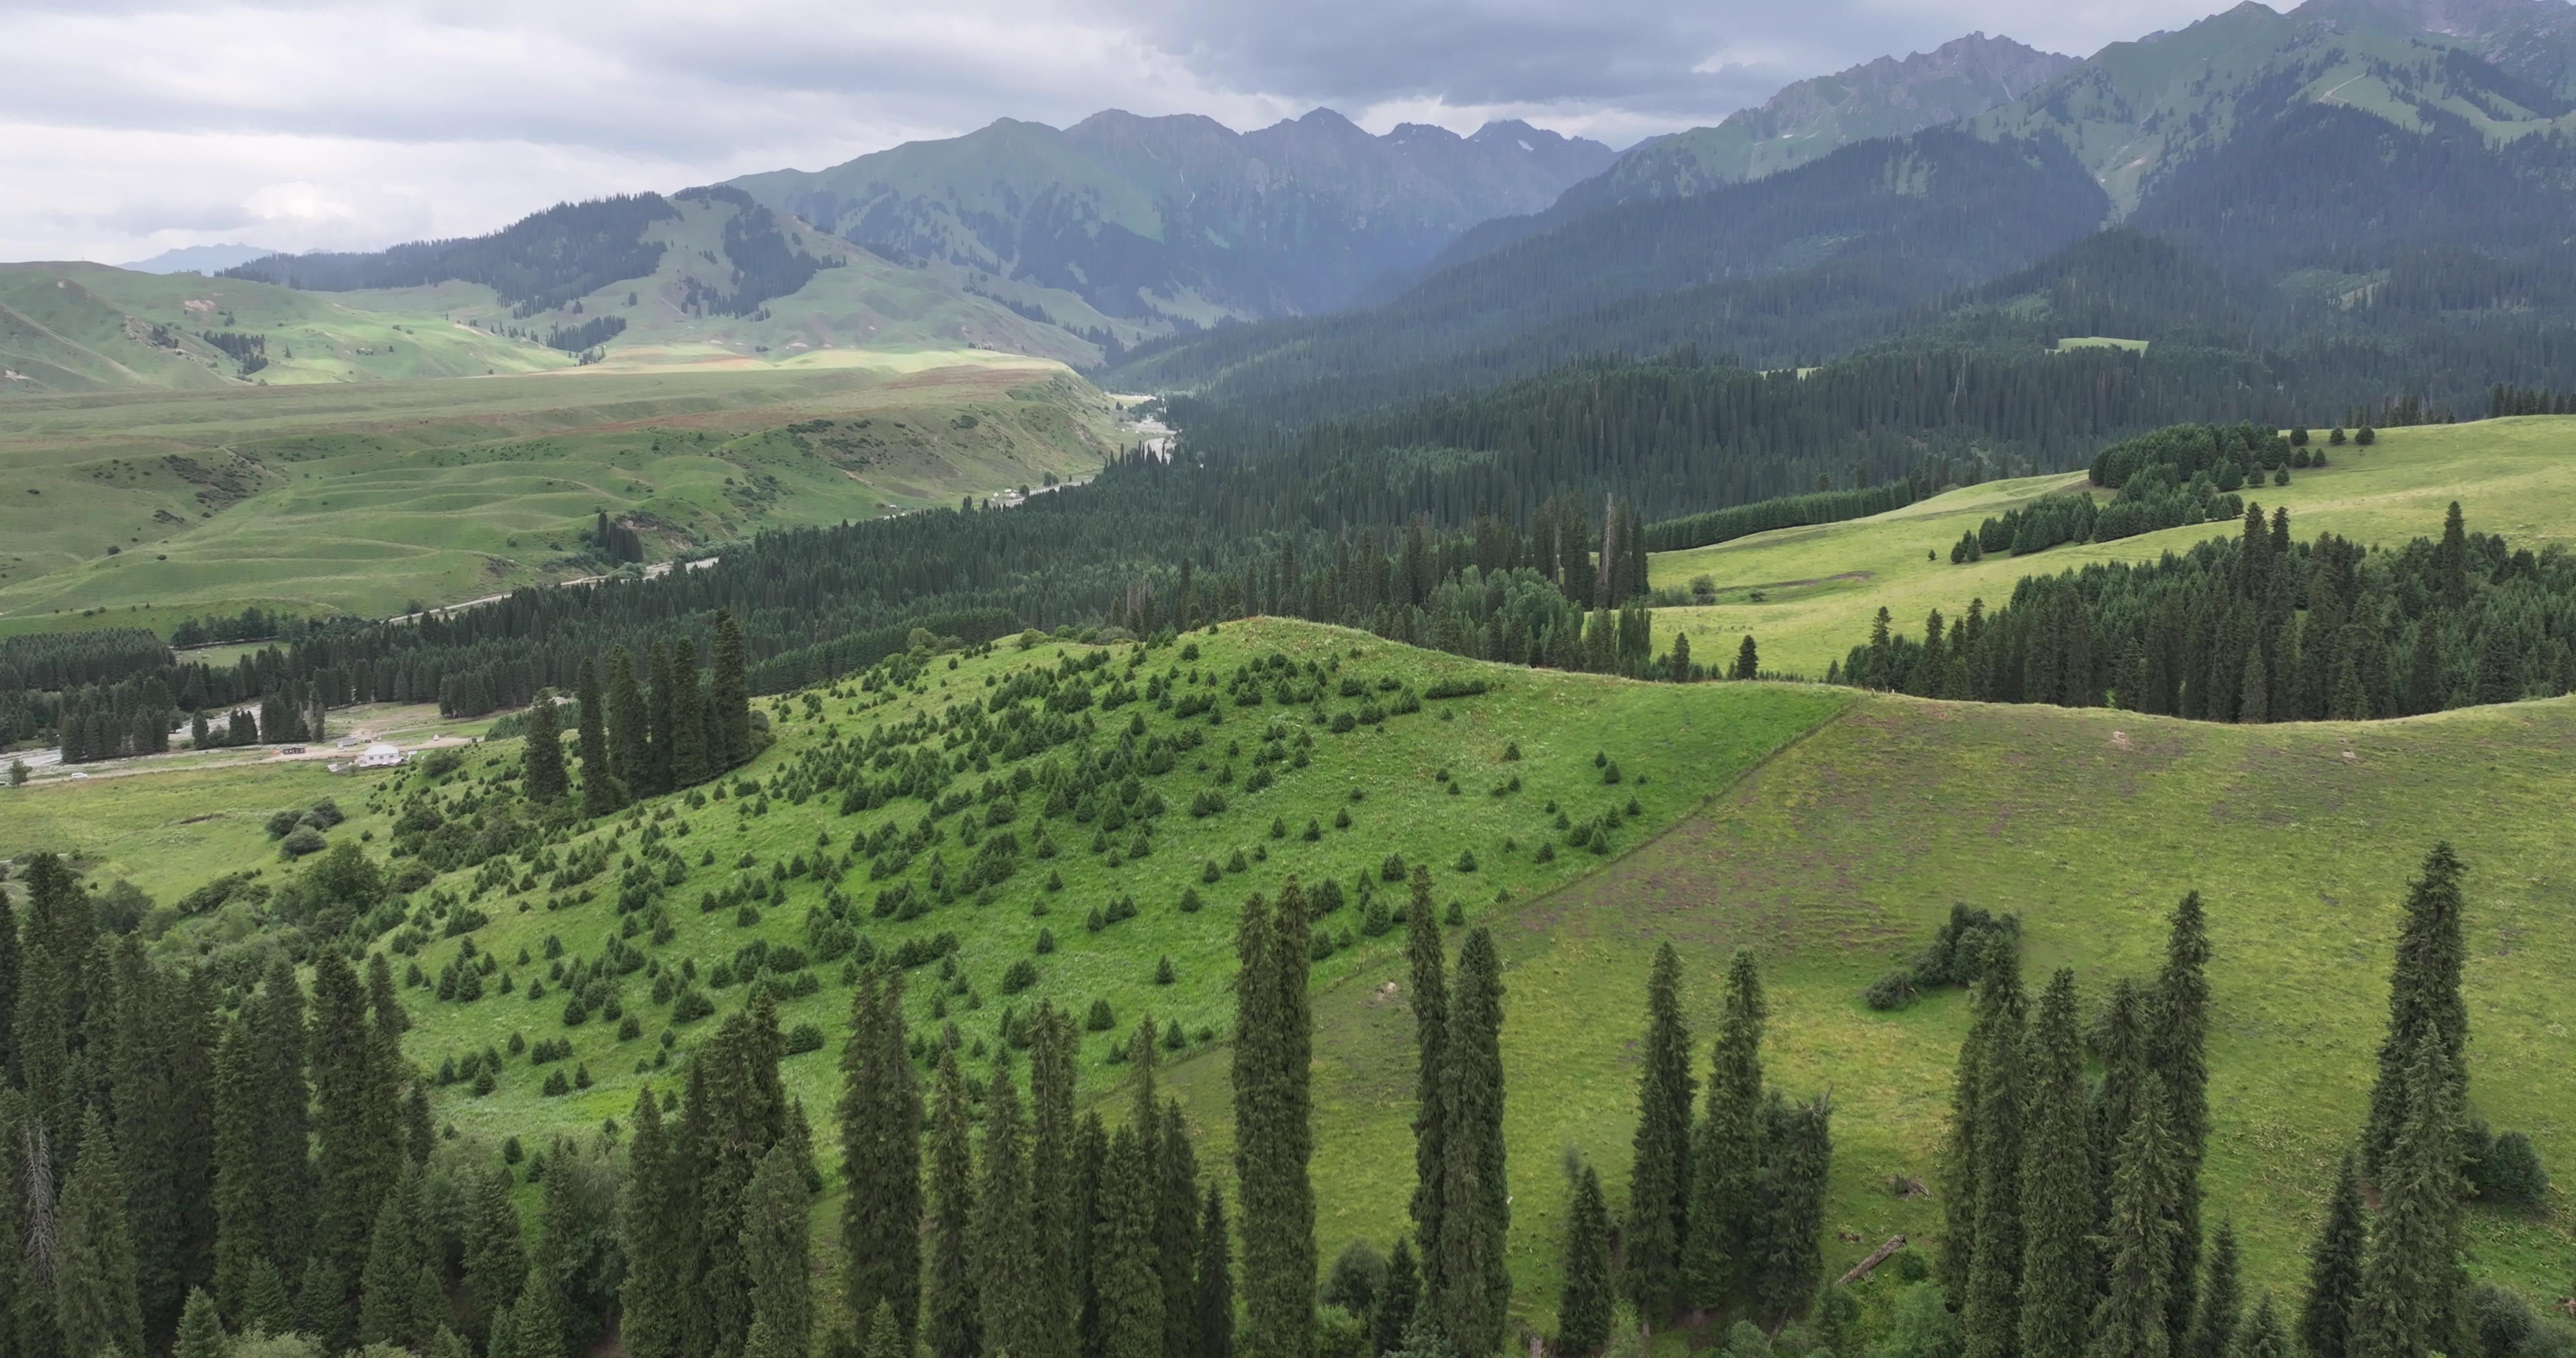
1929, 715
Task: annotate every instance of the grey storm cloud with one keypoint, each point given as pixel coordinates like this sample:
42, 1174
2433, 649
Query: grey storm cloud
133, 125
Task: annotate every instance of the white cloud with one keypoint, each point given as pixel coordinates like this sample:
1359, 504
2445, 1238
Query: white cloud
130, 126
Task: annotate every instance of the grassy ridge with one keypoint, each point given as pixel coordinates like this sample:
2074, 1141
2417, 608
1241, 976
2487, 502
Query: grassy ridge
1821, 585
1834, 845
364, 498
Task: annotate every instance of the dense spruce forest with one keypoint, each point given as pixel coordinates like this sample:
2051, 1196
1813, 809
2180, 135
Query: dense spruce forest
1360, 522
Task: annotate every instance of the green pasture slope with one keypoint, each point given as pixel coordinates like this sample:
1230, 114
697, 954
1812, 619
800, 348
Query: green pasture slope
1820, 586
364, 498
1828, 831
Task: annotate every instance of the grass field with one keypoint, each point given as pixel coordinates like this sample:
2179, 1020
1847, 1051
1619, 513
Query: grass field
1828, 831
1821, 585
364, 498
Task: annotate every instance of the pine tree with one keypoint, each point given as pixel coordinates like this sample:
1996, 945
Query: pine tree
537, 1318
9, 969
661, 711
2423, 1000
356, 1156
1176, 1233
2451, 558
630, 749
691, 760
2334, 1269
1474, 1291
542, 760
881, 1156
2057, 1194
322, 1306
2129, 1322
496, 1259
201, 1329
2219, 1309
1052, 1136
950, 1311
599, 791
1274, 1136
2124, 1069
2411, 1279
1797, 1158
262, 1188
1430, 991
266, 1306
729, 694
885, 1335
1583, 1307
1123, 1256
2261, 1336
774, 1254
1659, 1184
94, 1291
1212, 1282
2177, 1042
1993, 1299
384, 1287
1397, 1300
1004, 1254
1725, 1176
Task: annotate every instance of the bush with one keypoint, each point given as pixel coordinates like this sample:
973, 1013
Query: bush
2507, 1171
1019, 976
804, 1037
1392, 870
1100, 1020
1895, 990
304, 840
283, 823
1958, 952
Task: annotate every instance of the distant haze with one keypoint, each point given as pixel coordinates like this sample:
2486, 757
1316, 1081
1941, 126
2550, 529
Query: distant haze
199, 259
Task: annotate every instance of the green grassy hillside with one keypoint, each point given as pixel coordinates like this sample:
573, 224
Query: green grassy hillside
88, 327
1820, 586
366, 498
1828, 831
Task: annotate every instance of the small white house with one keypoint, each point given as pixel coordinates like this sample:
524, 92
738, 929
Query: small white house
380, 756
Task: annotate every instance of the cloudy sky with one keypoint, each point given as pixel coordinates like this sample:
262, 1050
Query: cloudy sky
131, 126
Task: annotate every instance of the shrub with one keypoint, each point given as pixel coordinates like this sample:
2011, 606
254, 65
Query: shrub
1163, 972
804, 1037
1046, 941
1392, 870
303, 840
283, 823
1190, 902
1466, 860
2508, 1171
1100, 1020
1895, 990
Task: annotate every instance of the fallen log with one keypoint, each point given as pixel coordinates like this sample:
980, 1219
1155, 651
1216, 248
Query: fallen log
1876, 1257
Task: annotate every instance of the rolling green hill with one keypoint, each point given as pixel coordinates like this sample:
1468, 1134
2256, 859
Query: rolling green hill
1820, 586
365, 498
1826, 830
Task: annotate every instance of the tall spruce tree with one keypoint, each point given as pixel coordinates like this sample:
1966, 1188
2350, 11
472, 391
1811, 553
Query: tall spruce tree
1718, 1254
1397, 1299
1274, 1136
2177, 1042
1053, 1133
2220, 1306
393, 1263
2129, 1321
951, 1322
1176, 1234
1428, 982
357, 1156
1798, 1157
2057, 1193
630, 741
1993, 1302
201, 1329
95, 1300
1123, 1254
2423, 999
1474, 1290
2334, 1269
692, 762
9, 968
1004, 1254
2412, 1281
729, 693
496, 1258
656, 1235
881, 1156
542, 761
1212, 1282
1583, 1305
599, 791
660, 715
2262, 1335
774, 1253
1659, 1182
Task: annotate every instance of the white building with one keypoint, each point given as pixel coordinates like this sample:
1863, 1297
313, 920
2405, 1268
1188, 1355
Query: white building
380, 756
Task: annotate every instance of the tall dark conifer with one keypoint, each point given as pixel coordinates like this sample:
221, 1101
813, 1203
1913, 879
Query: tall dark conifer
1123, 1255
2412, 1281
1718, 1254
2334, 1269
94, 1292
2220, 1306
1993, 1301
599, 791
2129, 1322
1274, 1137
1005, 1255
2177, 1050
660, 708
2423, 999
951, 1322
542, 760
1429, 988
9, 966
775, 1237
656, 1238
729, 694
1212, 1282
1659, 1182
692, 760
2057, 1194
630, 740
1053, 1133
1473, 1293
881, 1155
1583, 1305
1176, 1233
356, 1157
